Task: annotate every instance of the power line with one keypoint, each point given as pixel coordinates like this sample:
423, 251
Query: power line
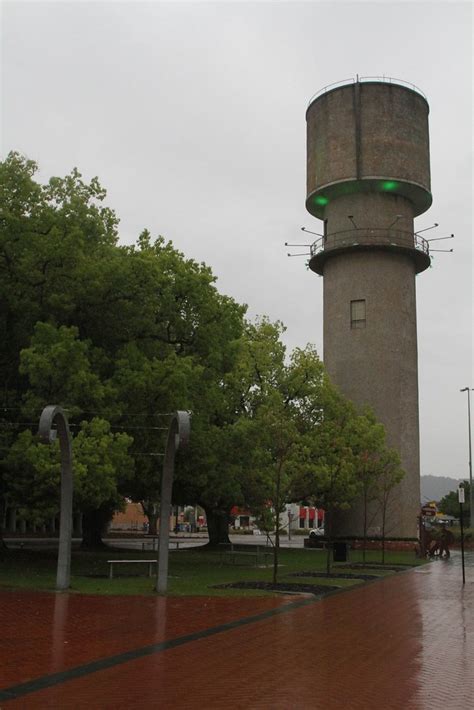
77, 426
100, 414
129, 453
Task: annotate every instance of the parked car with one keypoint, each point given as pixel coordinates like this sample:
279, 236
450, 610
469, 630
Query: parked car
316, 532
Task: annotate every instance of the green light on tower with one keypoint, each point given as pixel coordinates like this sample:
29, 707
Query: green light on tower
389, 185
321, 200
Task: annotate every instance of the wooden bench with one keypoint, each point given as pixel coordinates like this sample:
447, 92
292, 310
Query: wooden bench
150, 564
315, 544
153, 544
258, 554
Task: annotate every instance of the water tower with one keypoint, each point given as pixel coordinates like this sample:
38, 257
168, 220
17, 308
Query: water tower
368, 177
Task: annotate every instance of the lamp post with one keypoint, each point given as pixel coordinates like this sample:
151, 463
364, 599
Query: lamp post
468, 390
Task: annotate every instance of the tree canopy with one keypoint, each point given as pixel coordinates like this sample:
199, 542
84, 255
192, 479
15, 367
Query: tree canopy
116, 334
449, 504
122, 336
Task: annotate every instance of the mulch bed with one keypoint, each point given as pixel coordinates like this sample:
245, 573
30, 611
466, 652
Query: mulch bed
335, 575
376, 565
280, 587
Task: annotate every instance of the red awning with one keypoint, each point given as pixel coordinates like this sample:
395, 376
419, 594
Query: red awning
320, 514
235, 510
312, 513
302, 512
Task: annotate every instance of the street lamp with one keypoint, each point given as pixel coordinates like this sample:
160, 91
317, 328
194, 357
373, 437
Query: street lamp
468, 390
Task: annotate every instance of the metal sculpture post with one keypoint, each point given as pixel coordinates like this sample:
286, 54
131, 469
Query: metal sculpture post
178, 435
54, 414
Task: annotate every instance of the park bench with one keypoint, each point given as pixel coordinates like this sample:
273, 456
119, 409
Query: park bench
152, 544
257, 553
315, 544
150, 564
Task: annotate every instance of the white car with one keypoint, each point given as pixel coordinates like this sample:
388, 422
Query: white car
316, 532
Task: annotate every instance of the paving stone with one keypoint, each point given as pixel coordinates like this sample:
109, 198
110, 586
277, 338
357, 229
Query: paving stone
404, 642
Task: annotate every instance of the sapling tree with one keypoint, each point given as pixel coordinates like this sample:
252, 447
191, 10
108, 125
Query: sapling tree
368, 445
389, 476
331, 481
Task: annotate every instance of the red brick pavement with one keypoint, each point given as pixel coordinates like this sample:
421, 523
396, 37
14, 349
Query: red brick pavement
403, 642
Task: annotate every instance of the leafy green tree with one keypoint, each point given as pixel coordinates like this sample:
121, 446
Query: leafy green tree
149, 388
389, 475
124, 335
449, 504
377, 470
211, 473
332, 481
286, 404
178, 359
124, 332
49, 237
218, 469
258, 442
32, 478
281, 453
102, 468
101, 463
59, 370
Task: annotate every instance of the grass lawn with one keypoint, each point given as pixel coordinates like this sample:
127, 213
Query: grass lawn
191, 572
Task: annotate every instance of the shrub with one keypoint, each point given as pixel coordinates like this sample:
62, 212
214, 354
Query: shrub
468, 534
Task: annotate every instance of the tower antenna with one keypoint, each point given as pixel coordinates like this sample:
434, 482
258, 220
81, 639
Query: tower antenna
438, 239
317, 234
419, 231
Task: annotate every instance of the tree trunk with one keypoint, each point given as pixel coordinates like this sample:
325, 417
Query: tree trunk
276, 549
328, 531
383, 536
152, 524
364, 535
3, 545
217, 527
94, 524
151, 510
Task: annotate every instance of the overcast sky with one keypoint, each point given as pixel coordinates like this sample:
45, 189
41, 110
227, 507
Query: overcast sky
193, 117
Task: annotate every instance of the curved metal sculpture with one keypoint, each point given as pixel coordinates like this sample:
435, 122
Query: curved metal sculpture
50, 415
178, 435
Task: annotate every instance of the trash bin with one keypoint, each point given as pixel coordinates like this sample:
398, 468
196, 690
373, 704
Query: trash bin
340, 551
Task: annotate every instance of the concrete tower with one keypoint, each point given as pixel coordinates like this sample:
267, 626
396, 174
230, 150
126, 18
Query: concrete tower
368, 176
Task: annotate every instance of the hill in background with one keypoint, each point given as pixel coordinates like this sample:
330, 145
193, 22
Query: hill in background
436, 487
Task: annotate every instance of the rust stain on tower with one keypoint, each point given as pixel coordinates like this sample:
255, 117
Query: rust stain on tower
368, 177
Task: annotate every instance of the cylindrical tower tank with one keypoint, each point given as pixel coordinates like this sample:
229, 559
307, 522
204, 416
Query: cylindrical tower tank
368, 176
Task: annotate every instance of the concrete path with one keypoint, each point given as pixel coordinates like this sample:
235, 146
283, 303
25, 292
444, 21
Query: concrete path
405, 642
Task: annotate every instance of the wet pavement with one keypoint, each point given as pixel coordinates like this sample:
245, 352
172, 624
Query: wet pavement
401, 642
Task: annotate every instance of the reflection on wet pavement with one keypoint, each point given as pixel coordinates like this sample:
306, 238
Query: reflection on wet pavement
403, 642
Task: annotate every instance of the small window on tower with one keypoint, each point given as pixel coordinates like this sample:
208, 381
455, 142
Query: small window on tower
358, 314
